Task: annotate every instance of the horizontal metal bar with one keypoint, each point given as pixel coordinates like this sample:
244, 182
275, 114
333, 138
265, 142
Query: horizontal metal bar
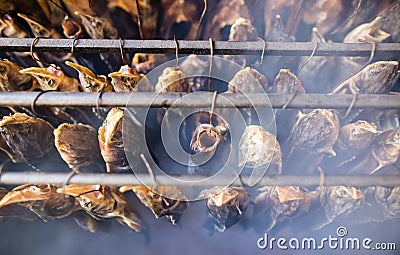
200, 47
191, 180
202, 99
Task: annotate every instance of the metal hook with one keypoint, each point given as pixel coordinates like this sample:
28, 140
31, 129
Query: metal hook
353, 101
74, 42
98, 101
139, 19
149, 169
66, 182
373, 48
33, 110
121, 45
176, 52
201, 19
260, 61
213, 105
211, 62
34, 42
309, 58
322, 176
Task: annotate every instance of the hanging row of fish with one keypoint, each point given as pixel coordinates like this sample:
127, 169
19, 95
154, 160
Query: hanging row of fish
236, 20
313, 133
162, 19
89, 204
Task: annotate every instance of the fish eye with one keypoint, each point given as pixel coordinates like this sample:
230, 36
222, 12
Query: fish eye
50, 82
372, 70
2, 69
42, 32
98, 24
118, 144
88, 204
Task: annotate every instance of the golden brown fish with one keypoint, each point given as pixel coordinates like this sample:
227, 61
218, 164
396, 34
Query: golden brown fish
163, 201
284, 202
340, 201
12, 80
260, 149
128, 79
29, 139
53, 78
226, 205
103, 202
78, 146
43, 200
90, 81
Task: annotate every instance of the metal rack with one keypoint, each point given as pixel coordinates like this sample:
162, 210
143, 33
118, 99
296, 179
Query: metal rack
71, 99
198, 47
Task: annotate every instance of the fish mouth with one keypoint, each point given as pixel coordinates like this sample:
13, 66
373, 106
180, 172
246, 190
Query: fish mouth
80, 69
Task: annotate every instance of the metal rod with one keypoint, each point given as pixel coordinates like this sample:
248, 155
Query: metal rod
391, 50
200, 100
192, 180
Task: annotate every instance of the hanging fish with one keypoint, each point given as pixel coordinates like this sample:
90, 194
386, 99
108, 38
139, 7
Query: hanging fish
226, 205
128, 79
260, 149
389, 200
284, 203
359, 12
103, 202
367, 32
248, 80
354, 138
39, 29
339, 201
384, 151
78, 146
163, 201
313, 136
53, 78
12, 80
111, 141
97, 27
43, 200
172, 80
376, 78
30, 139
15, 210
242, 31
90, 81
205, 140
